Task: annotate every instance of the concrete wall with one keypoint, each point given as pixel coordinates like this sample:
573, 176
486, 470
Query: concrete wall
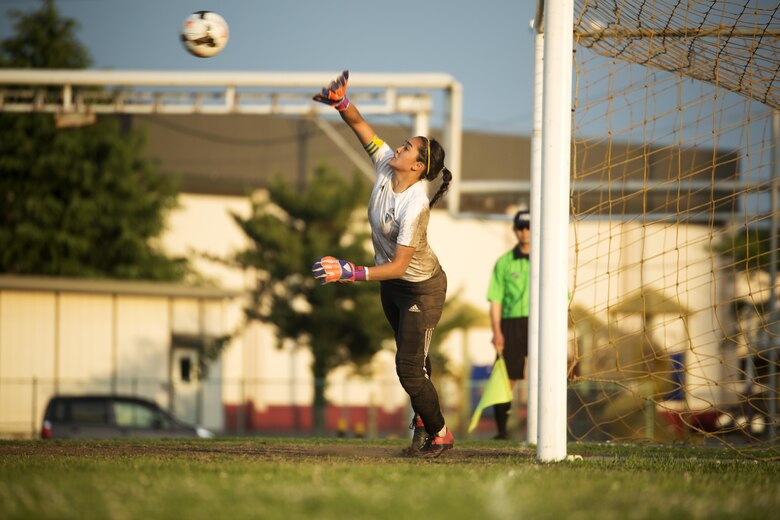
61, 342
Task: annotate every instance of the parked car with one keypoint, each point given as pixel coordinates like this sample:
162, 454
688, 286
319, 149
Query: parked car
112, 416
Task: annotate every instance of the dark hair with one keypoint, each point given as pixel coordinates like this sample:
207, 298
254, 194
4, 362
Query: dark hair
434, 167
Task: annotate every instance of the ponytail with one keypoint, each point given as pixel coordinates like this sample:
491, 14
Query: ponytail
446, 177
432, 155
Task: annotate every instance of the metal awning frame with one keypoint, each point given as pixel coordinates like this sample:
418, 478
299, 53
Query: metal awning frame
76, 96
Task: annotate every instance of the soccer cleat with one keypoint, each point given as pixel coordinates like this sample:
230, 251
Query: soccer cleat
435, 445
419, 435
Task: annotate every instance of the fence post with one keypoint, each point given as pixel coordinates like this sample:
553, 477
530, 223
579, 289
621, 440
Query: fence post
649, 419
241, 408
465, 397
34, 404
372, 430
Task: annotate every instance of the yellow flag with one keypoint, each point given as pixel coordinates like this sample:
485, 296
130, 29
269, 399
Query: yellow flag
496, 391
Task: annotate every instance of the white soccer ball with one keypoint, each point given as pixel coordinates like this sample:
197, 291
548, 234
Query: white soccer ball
205, 34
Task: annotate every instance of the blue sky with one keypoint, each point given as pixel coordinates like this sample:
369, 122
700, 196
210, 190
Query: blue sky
487, 46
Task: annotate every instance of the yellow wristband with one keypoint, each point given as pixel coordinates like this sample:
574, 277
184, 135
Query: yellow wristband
373, 145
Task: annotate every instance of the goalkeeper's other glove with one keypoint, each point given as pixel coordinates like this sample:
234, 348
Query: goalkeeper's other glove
329, 269
335, 94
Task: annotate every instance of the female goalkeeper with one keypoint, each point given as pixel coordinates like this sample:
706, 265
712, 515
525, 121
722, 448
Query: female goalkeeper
413, 285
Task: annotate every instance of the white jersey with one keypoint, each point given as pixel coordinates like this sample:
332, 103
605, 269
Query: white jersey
400, 219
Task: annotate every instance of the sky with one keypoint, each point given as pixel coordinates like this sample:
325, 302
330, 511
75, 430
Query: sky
486, 46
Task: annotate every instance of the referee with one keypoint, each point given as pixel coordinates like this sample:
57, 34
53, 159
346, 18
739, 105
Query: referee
508, 294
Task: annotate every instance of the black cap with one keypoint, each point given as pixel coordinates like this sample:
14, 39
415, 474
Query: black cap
522, 219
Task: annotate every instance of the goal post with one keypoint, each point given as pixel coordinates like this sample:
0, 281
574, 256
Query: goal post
554, 230
532, 429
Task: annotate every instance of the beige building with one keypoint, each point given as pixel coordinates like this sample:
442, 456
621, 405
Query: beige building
65, 336
75, 336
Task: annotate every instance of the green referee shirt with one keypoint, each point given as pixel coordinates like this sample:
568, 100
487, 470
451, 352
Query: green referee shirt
509, 284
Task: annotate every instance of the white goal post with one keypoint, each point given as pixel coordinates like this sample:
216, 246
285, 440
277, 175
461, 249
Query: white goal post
551, 316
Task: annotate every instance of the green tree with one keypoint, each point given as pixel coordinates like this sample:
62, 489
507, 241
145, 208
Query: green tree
746, 250
78, 202
458, 315
288, 231
43, 40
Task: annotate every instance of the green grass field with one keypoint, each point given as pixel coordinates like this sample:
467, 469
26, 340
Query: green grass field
345, 479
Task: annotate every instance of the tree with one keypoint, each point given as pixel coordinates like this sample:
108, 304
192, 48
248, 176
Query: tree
78, 202
44, 40
746, 249
458, 315
288, 230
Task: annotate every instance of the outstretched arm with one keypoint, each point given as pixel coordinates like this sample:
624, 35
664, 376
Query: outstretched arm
360, 126
335, 95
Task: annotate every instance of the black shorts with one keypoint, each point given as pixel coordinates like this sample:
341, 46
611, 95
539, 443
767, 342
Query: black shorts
515, 331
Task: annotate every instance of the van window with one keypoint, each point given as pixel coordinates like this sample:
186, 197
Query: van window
89, 411
138, 415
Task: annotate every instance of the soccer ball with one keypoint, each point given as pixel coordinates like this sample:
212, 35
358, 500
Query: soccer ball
204, 34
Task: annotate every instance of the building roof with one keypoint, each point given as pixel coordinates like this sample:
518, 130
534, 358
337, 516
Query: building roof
119, 287
238, 153
235, 154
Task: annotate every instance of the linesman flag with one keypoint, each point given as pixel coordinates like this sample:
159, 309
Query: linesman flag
496, 391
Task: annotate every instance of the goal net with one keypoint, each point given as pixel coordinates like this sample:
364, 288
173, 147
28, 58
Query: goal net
674, 329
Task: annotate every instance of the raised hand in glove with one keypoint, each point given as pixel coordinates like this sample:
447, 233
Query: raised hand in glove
329, 269
335, 94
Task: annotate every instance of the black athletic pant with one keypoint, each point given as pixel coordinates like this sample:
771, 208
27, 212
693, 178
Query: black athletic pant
413, 310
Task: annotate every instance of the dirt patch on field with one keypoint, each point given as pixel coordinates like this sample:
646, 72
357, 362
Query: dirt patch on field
279, 450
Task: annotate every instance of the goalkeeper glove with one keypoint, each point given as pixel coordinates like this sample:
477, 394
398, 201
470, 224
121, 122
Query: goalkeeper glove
335, 94
329, 269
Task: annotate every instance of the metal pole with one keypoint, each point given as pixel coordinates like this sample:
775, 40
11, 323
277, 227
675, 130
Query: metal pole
57, 328
359, 160
454, 139
293, 382
554, 251
114, 343
422, 124
241, 408
34, 407
286, 80
774, 330
303, 155
532, 435
465, 409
